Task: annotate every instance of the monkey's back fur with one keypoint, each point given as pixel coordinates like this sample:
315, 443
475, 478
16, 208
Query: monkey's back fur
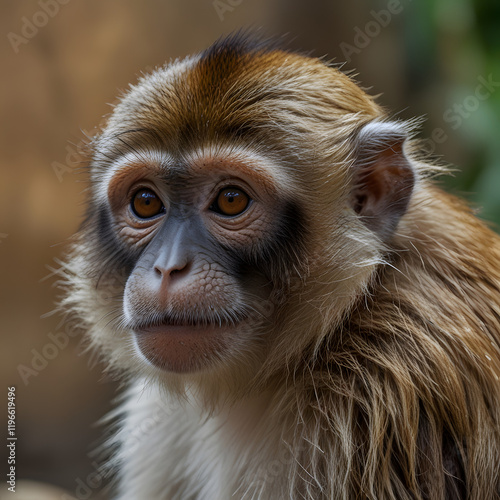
419, 361
378, 376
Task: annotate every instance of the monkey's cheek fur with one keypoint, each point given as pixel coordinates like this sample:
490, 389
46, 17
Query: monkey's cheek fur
183, 348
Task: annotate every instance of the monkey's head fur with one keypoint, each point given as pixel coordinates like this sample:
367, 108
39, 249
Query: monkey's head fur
255, 219
301, 139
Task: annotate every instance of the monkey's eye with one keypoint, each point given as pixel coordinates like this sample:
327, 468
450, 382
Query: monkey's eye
230, 201
146, 204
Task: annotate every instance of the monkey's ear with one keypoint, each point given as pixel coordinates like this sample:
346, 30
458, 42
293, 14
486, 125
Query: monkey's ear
383, 177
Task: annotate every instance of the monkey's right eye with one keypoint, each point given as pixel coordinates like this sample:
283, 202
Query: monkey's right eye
146, 204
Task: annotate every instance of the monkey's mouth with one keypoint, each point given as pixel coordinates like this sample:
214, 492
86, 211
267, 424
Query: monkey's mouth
199, 321
184, 345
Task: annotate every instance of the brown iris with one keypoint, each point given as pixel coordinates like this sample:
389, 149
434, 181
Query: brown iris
231, 201
146, 204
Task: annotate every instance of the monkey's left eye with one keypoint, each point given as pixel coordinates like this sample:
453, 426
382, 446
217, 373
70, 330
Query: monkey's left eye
146, 204
230, 201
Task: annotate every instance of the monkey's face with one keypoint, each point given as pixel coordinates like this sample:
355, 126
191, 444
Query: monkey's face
200, 233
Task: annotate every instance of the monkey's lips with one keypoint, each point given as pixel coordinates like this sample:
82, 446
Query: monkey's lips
183, 348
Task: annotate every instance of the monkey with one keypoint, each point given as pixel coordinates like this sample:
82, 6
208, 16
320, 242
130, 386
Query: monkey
295, 307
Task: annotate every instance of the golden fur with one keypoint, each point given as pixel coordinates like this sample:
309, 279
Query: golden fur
382, 355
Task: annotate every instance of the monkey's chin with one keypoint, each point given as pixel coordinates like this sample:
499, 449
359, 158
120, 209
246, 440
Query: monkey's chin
183, 348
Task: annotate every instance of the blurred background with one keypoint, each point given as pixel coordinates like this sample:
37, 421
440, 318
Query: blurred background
65, 61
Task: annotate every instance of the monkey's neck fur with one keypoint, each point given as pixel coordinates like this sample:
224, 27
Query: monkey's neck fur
399, 402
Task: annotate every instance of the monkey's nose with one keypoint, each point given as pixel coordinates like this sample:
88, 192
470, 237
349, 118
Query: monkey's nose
173, 271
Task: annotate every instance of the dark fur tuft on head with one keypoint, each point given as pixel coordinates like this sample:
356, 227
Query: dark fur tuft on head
241, 43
